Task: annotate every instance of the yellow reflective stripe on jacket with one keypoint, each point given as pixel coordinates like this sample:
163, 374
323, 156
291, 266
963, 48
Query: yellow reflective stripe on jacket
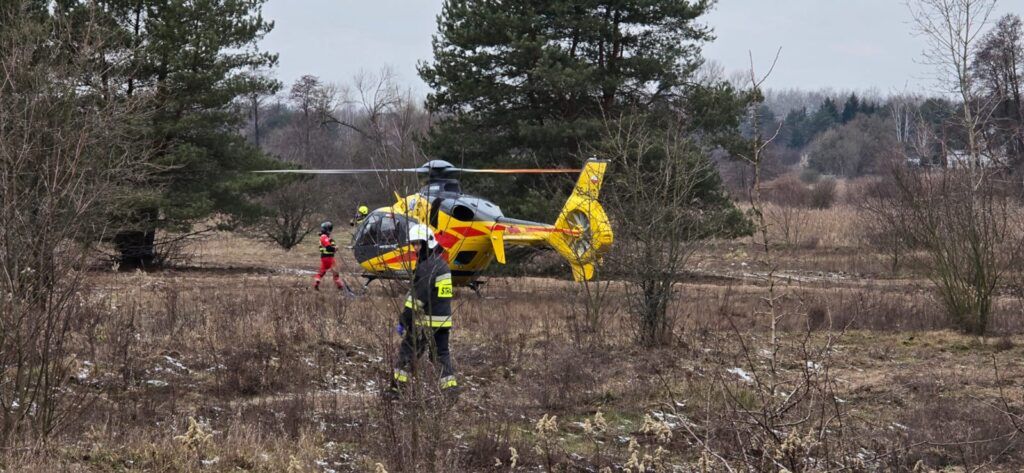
412, 303
434, 321
444, 286
401, 376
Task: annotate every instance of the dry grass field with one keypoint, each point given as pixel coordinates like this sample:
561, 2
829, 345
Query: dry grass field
232, 363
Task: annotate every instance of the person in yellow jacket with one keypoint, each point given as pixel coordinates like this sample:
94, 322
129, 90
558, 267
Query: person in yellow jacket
360, 215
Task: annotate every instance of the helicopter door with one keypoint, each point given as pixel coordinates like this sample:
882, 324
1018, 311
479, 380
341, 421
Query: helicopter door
435, 209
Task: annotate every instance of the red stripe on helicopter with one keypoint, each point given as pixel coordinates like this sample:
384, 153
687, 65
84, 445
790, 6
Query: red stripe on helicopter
468, 231
446, 240
407, 257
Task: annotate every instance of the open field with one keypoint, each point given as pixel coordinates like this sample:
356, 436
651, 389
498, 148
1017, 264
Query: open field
234, 364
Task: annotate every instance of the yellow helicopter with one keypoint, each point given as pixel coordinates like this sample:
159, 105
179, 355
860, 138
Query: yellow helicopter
473, 231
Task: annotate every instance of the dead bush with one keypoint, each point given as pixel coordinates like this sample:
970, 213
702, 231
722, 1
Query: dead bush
970, 230
817, 317
822, 194
787, 190
251, 370
791, 190
67, 157
942, 431
890, 311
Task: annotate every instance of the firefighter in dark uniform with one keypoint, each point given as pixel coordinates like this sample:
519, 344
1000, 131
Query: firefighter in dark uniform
426, 321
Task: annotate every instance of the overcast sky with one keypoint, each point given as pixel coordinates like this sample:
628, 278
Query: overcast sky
841, 44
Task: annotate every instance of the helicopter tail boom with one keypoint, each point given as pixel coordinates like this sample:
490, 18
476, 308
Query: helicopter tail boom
584, 230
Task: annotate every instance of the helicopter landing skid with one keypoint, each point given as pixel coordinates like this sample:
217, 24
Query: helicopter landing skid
475, 286
369, 278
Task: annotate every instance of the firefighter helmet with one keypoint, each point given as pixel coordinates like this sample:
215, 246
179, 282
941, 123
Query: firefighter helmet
326, 227
420, 232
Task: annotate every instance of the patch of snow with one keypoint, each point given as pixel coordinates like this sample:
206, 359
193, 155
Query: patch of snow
156, 383
742, 374
175, 363
671, 420
83, 374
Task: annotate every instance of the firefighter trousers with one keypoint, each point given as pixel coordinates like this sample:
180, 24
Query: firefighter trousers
418, 340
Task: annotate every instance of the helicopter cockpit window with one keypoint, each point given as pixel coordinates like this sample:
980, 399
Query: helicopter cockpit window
390, 231
463, 213
366, 235
382, 228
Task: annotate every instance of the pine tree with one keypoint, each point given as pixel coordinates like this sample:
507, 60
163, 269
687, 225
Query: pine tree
524, 82
188, 58
850, 109
825, 117
795, 127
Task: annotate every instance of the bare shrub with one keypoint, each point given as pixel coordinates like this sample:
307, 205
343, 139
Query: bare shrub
882, 214
561, 379
789, 221
791, 190
823, 194
291, 212
971, 231
788, 190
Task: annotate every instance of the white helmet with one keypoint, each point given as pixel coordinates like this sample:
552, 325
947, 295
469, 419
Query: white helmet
420, 232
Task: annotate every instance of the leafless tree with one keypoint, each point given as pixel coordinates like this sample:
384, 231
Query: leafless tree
255, 102
999, 69
659, 219
386, 122
755, 157
67, 159
963, 219
952, 30
310, 141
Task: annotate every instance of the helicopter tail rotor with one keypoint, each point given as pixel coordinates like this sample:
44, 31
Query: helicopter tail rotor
586, 232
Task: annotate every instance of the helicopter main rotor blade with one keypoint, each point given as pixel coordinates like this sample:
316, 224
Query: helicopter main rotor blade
520, 171
338, 171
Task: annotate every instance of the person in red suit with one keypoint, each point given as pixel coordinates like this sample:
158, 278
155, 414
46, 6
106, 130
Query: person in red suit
327, 263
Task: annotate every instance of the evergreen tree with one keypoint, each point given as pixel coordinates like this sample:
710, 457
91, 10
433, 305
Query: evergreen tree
188, 57
523, 82
850, 109
796, 128
868, 108
826, 117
